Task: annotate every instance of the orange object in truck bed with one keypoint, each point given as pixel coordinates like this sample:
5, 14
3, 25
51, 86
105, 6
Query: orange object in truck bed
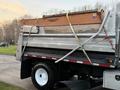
76, 18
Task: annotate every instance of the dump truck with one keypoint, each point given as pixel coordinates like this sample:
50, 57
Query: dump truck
73, 47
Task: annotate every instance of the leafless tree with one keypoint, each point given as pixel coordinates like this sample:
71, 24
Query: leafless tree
11, 31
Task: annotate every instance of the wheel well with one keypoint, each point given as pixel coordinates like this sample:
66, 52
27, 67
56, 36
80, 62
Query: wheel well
63, 69
28, 64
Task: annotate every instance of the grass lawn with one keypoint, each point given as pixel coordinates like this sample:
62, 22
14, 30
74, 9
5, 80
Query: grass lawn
11, 50
4, 86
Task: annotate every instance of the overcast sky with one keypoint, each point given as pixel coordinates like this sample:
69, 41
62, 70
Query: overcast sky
10, 9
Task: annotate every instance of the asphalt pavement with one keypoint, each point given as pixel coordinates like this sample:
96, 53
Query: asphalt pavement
10, 73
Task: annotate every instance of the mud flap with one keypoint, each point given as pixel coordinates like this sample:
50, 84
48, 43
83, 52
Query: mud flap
25, 69
74, 85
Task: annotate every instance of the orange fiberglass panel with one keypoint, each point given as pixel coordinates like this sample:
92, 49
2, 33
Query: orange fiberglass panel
61, 20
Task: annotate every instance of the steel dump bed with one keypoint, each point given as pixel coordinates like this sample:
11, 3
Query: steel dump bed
85, 32
55, 31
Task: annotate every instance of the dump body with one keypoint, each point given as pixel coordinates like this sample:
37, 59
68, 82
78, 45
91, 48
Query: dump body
57, 32
95, 31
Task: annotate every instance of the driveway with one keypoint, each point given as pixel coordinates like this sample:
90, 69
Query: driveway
10, 73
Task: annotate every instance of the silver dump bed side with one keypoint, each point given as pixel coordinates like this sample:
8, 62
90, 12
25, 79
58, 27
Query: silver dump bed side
103, 41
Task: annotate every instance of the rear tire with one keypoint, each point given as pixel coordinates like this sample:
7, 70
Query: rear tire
43, 76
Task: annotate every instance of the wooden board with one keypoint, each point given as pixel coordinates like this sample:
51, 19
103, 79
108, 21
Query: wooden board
85, 18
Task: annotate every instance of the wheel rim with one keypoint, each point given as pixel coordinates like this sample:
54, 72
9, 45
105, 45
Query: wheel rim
41, 76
